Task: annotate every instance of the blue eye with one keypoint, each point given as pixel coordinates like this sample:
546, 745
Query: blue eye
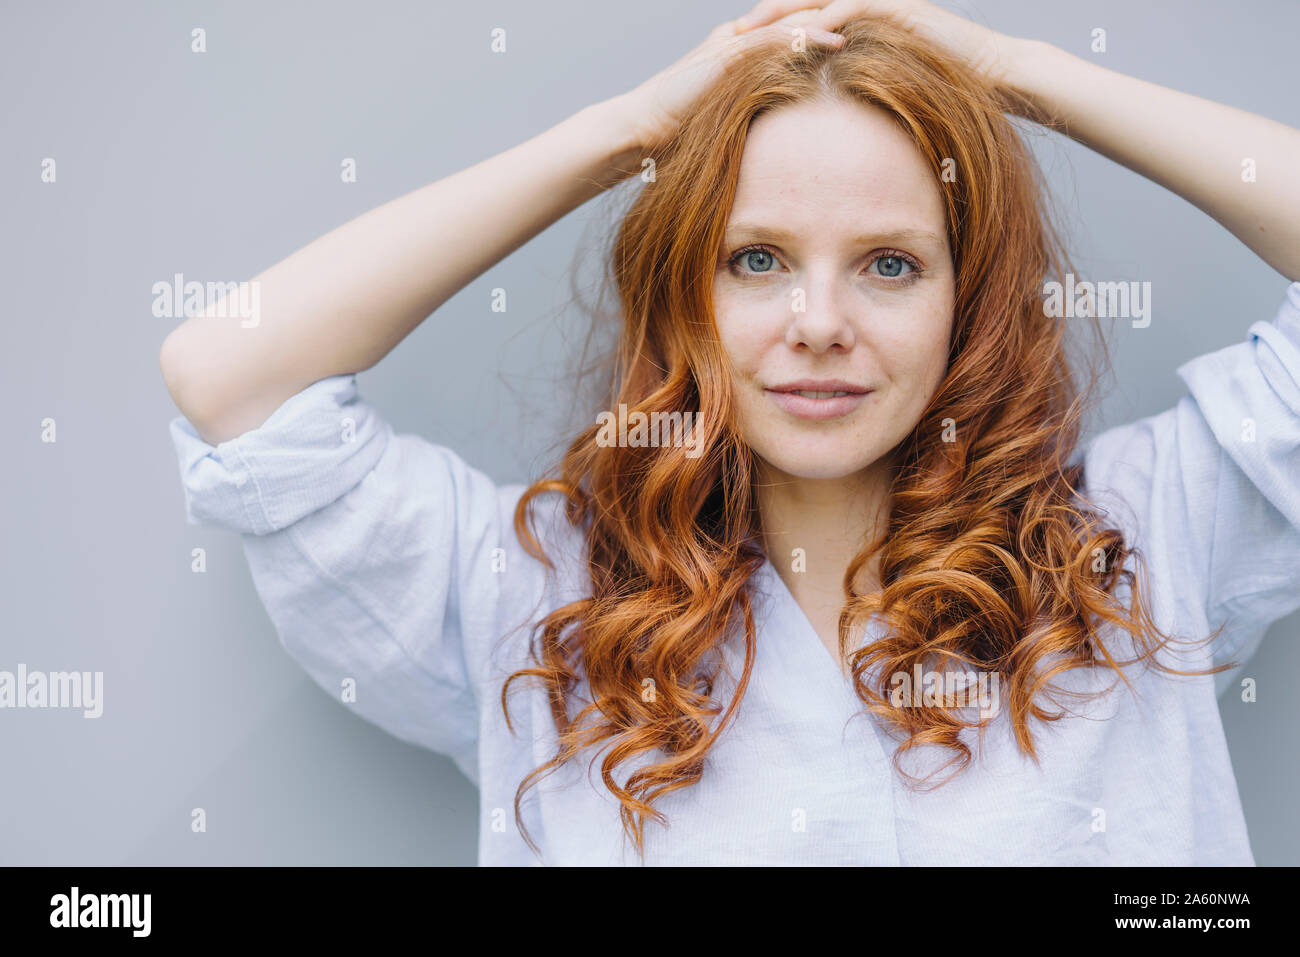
892, 266
758, 260
755, 259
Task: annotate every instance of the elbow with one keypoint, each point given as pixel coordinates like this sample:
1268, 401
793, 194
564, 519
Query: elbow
175, 368
180, 373
220, 406
169, 363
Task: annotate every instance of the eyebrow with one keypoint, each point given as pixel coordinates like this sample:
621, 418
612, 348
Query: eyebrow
905, 235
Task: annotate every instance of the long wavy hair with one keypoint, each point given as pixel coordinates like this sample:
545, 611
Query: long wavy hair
991, 557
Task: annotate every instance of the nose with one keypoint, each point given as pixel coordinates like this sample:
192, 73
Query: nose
819, 320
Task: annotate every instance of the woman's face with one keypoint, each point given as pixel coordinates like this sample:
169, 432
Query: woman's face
842, 281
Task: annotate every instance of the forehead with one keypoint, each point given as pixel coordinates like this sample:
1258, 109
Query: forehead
813, 165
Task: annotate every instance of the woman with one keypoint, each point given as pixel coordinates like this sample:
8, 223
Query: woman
835, 275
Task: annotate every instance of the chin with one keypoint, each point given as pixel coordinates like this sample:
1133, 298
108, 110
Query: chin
822, 464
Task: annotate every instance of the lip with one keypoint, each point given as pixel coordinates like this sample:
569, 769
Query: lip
785, 397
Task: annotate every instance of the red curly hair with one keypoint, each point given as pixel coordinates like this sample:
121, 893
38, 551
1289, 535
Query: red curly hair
991, 556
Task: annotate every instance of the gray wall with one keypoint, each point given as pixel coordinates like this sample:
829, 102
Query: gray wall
216, 165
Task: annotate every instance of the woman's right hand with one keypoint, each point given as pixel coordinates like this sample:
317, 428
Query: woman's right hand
657, 107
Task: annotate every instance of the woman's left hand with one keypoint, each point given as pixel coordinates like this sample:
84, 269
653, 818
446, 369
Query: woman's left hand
990, 53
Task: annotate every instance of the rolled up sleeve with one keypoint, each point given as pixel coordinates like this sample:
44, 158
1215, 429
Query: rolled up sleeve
316, 446
388, 565
1214, 482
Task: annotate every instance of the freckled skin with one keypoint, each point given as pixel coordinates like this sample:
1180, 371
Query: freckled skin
836, 176
827, 172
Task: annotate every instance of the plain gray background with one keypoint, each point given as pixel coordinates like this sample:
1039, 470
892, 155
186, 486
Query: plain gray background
217, 165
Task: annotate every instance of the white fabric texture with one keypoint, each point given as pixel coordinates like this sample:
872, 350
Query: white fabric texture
387, 559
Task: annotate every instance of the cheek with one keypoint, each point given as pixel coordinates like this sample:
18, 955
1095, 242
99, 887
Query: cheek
746, 333
918, 362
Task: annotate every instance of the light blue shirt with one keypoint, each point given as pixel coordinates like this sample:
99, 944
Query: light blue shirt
387, 559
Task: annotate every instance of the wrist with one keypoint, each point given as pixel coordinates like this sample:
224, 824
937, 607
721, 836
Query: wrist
611, 123
1025, 64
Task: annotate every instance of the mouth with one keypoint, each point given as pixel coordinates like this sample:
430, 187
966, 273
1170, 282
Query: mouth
818, 399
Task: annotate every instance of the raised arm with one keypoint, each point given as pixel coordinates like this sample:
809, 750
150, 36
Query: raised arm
1238, 167
343, 302
1194, 147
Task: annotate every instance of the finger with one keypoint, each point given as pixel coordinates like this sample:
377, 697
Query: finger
779, 32
782, 32
769, 11
835, 14
797, 18
727, 29
802, 20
